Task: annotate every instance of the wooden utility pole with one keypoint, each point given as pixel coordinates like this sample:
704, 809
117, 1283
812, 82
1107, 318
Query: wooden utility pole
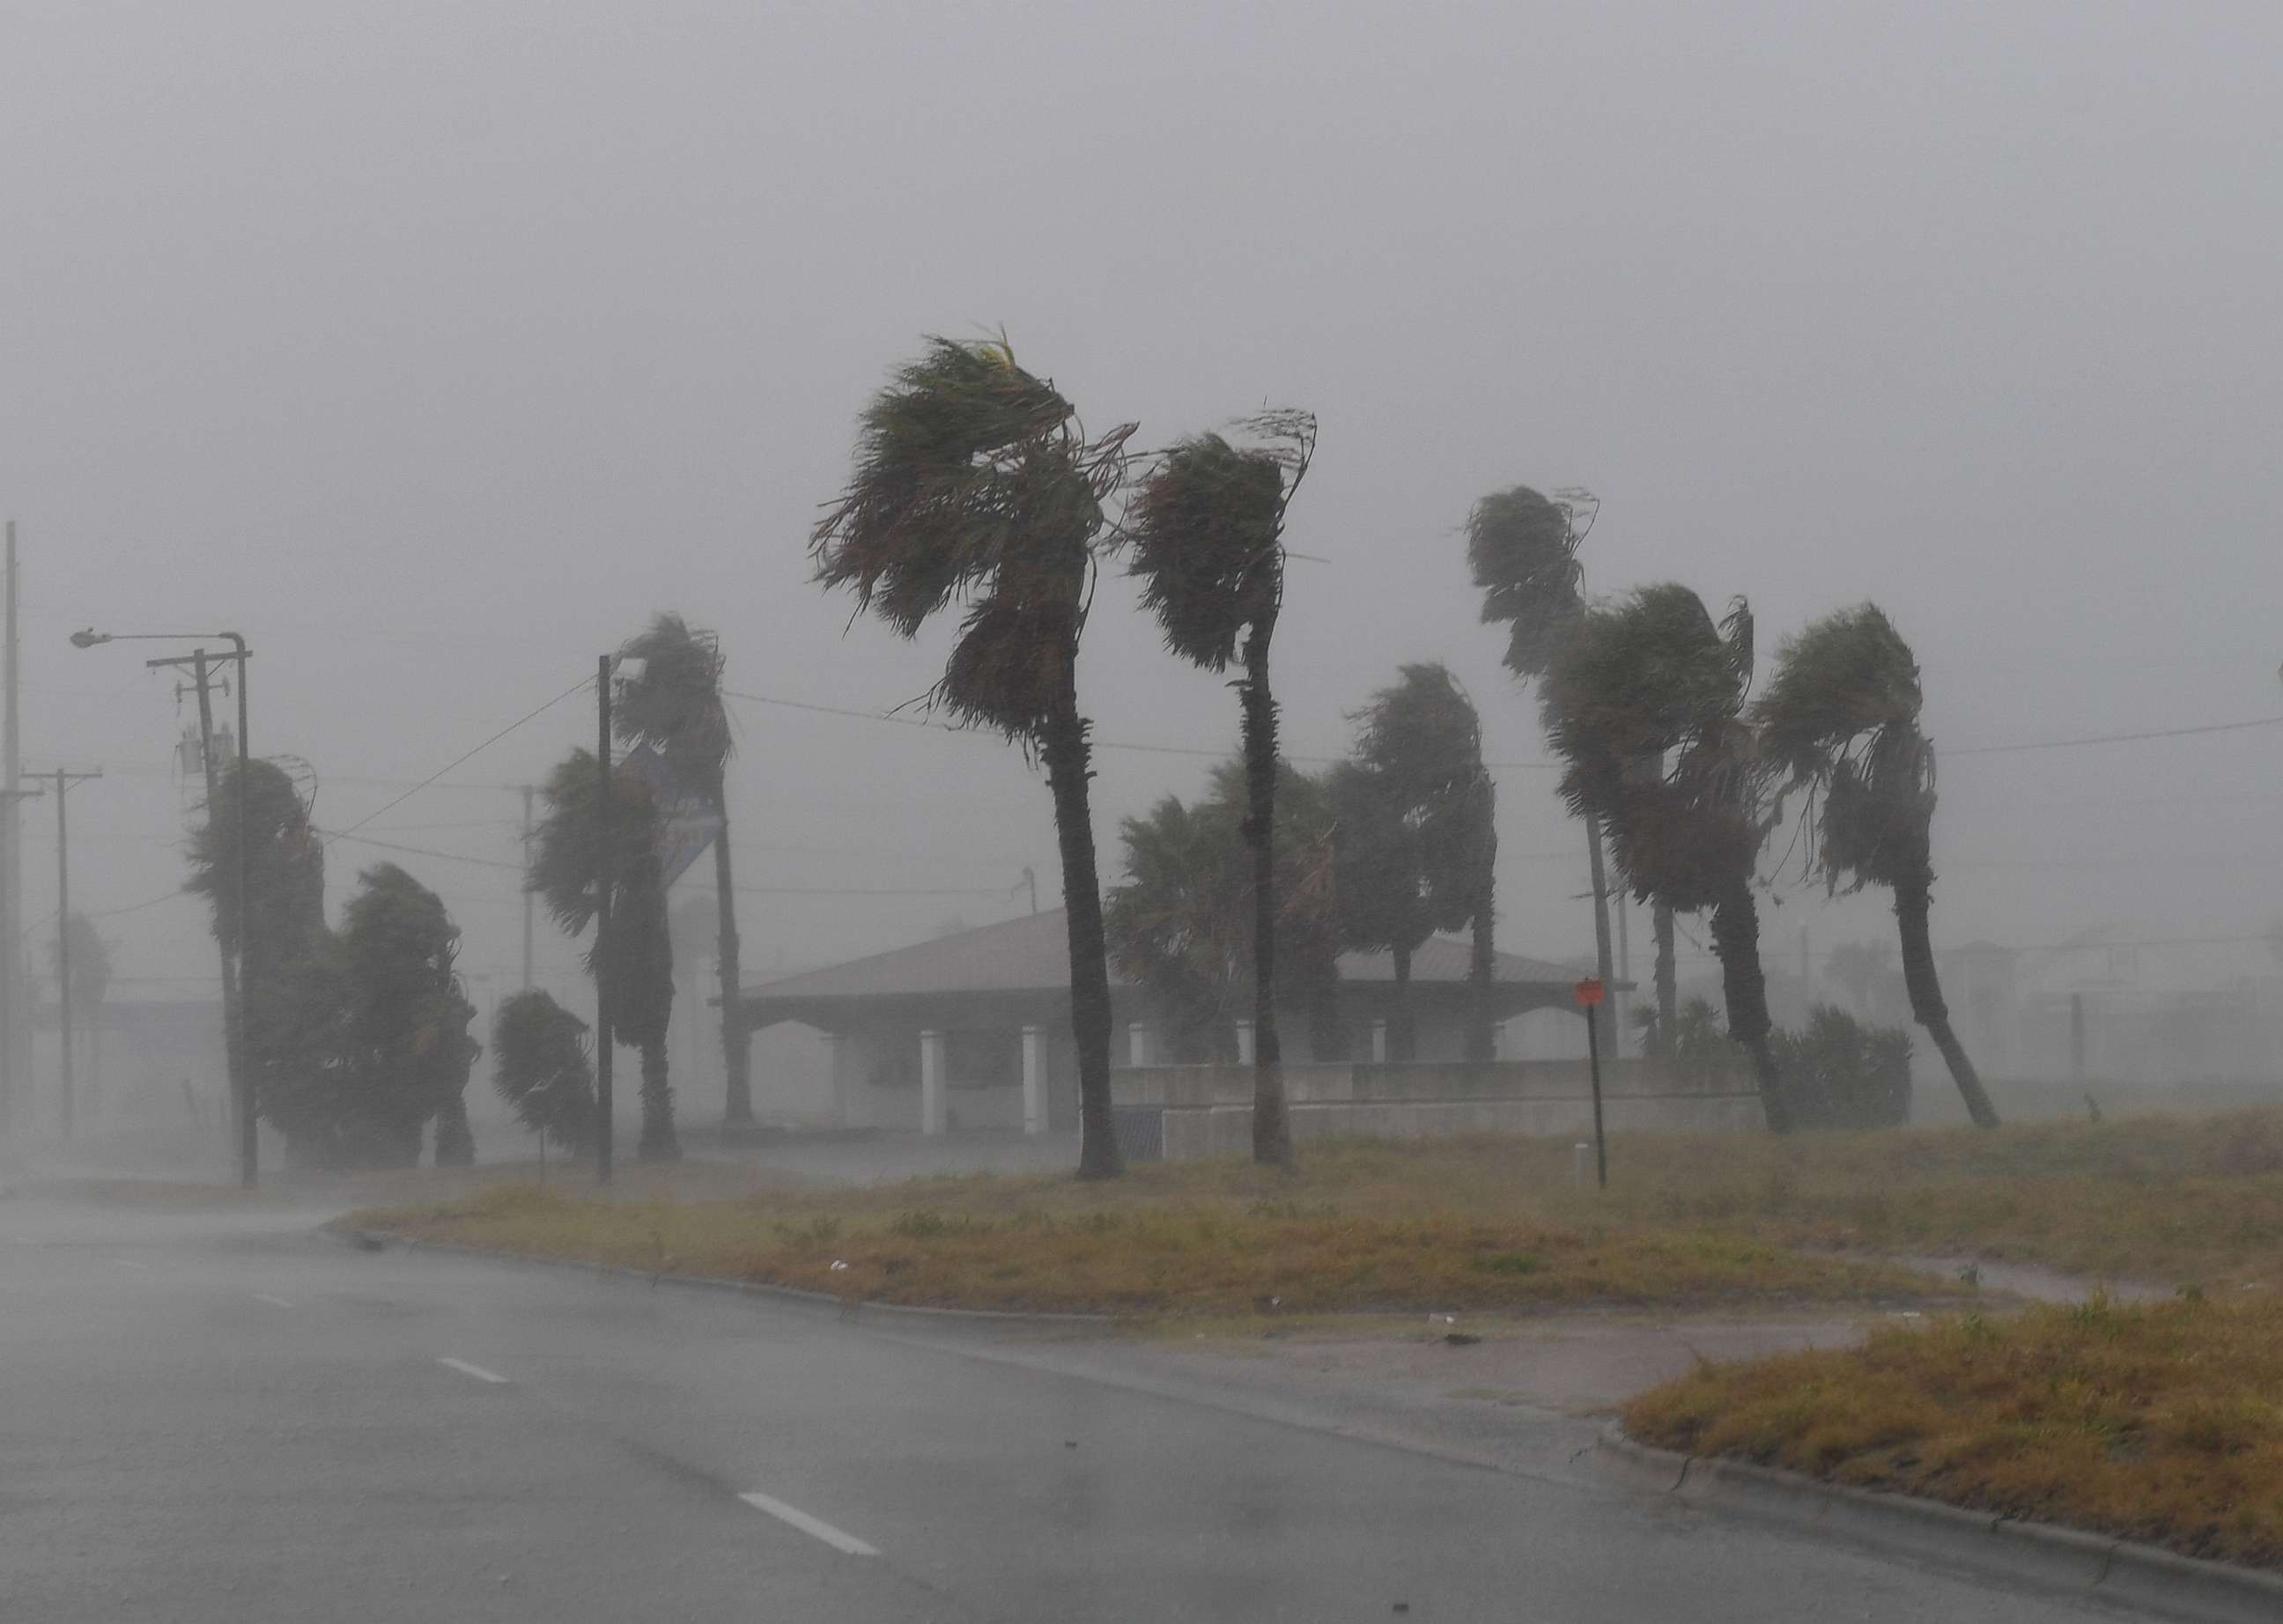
604, 834
527, 890
13, 1027
1604, 970
64, 781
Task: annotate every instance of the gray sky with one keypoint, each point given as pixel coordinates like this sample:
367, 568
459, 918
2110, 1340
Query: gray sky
436, 344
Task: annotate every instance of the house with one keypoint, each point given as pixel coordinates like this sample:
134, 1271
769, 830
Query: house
985, 1006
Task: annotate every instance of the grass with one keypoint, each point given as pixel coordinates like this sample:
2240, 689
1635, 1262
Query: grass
2157, 1421
1468, 1222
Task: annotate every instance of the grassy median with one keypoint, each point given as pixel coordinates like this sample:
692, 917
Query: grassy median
2160, 1422
1464, 1223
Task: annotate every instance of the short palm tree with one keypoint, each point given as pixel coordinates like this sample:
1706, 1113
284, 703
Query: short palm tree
1841, 718
673, 703
1207, 535
543, 1071
634, 962
1645, 704
975, 484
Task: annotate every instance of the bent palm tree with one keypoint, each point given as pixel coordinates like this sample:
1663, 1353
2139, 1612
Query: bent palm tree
1651, 681
1841, 717
1208, 536
634, 962
975, 484
674, 706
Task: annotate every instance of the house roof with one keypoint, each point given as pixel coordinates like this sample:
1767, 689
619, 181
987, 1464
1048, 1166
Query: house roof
1032, 954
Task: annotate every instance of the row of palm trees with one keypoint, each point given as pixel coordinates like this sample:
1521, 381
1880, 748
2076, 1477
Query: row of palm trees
976, 485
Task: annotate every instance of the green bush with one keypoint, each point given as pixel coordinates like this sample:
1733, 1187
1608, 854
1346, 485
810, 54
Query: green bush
1839, 1072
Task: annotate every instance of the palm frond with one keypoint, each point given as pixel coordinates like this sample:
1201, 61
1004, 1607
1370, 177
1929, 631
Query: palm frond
1522, 548
1205, 531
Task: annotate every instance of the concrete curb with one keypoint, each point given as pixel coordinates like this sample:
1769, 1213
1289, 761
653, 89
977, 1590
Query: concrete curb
890, 1313
2115, 1570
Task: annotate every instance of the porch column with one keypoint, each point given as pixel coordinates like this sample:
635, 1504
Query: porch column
1034, 1079
932, 1107
1379, 1043
1244, 1043
1137, 1043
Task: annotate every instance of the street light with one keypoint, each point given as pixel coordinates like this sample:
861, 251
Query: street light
240, 1064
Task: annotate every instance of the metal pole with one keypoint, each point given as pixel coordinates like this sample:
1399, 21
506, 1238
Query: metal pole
1593, 1058
63, 950
12, 877
526, 892
603, 878
232, 1016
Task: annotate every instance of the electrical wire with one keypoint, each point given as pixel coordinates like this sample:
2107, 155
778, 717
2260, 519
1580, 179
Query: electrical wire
527, 716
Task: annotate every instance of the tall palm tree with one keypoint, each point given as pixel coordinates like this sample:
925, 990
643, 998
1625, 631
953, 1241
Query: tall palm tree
975, 484
634, 963
1521, 549
1841, 717
674, 705
1645, 704
1207, 533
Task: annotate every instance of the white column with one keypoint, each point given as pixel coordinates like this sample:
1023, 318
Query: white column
1379, 1043
1137, 1043
836, 1050
1034, 1079
931, 1104
1244, 1043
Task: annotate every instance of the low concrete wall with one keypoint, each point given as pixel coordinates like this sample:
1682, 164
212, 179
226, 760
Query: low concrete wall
1207, 1110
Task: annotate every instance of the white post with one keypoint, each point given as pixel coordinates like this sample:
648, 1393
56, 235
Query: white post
836, 1044
931, 1104
1379, 1043
1034, 1079
1244, 1043
1137, 1043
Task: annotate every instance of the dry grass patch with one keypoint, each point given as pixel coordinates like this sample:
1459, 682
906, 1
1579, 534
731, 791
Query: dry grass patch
2160, 1422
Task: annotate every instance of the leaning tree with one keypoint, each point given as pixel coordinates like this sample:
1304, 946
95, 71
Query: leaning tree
1206, 531
542, 1069
672, 701
1654, 679
976, 485
633, 962
1841, 718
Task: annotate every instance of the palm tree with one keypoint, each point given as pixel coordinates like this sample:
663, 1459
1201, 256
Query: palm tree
91, 979
674, 705
1207, 531
542, 1069
975, 484
634, 962
1419, 834
1841, 717
407, 1028
1521, 549
1645, 704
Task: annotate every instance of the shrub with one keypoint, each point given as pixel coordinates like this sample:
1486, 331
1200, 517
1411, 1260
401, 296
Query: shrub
1839, 1072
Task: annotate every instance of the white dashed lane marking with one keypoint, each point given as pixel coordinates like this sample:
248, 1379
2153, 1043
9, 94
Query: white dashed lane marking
476, 1370
794, 1517
275, 1302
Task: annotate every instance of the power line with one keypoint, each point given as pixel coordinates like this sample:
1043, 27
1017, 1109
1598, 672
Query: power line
2116, 738
527, 716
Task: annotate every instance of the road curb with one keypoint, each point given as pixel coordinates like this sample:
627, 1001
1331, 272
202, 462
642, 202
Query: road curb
2115, 1570
849, 1308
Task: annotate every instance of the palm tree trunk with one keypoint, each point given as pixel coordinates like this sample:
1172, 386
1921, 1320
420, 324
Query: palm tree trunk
1482, 1039
1272, 1126
1912, 900
455, 1145
1068, 757
1398, 1029
1668, 990
658, 1143
737, 1051
1736, 938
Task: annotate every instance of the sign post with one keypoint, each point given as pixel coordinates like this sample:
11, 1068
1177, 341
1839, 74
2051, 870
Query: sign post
1590, 994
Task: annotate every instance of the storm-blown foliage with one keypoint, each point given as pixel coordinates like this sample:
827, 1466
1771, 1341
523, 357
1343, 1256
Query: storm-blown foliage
1645, 705
363, 1039
674, 705
975, 484
285, 881
1418, 836
634, 962
1206, 532
1523, 549
542, 1068
1841, 720
1180, 924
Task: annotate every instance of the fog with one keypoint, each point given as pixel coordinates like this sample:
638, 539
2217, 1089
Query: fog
435, 347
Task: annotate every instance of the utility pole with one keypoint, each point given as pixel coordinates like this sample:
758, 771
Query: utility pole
8, 1072
64, 781
604, 866
527, 890
13, 1030
1597, 1013
1031, 883
1624, 997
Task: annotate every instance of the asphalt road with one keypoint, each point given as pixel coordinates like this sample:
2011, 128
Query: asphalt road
231, 1419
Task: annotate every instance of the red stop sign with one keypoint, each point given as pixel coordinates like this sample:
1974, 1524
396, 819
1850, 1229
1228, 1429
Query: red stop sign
1591, 992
